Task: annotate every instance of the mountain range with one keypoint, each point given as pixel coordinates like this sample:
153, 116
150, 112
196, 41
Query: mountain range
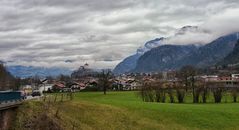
157, 55
130, 62
170, 57
165, 57
232, 59
30, 71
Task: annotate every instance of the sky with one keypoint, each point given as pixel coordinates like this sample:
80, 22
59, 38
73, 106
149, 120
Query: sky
69, 33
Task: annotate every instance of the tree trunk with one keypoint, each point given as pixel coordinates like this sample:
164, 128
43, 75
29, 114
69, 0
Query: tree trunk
234, 99
204, 95
104, 90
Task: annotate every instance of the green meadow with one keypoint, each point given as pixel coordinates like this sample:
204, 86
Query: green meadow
126, 111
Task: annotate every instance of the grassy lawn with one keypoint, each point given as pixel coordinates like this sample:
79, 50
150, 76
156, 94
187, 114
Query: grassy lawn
185, 116
126, 111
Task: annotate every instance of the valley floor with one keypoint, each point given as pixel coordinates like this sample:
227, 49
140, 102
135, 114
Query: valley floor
126, 111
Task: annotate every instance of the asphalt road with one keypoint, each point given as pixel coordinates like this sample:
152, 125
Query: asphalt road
33, 98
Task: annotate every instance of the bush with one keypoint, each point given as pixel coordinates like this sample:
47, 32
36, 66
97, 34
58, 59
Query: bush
163, 97
217, 94
171, 95
180, 95
147, 93
158, 92
204, 95
160, 95
234, 93
197, 92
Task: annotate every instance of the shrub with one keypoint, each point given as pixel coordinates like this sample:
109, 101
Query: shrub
157, 95
234, 93
170, 94
180, 95
147, 93
217, 94
197, 92
204, 94
163, 96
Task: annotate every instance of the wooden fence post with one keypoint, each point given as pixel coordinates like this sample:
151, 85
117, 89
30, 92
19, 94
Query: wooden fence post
62, 97
55, 98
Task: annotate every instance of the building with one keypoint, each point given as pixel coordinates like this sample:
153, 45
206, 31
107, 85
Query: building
59, 86
227, 81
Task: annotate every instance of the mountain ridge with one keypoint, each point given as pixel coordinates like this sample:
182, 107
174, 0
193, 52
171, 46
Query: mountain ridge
129, 62
30, 71
163, 58
204, 56
232, 58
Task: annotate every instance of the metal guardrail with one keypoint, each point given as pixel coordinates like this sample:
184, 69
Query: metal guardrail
10, 96
8, 105
10, 99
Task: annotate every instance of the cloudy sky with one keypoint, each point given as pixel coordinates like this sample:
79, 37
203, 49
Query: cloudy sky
68, 33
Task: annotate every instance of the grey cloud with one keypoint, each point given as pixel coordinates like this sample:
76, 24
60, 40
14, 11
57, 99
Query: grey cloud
103, 32
93, 5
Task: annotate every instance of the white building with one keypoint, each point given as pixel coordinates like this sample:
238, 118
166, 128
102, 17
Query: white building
210, 77
45, 87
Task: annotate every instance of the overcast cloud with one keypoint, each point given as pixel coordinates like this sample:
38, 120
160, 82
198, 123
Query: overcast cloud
68, 33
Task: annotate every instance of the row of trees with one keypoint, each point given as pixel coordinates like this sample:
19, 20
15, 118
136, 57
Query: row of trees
177, 92
7, 81
186, 83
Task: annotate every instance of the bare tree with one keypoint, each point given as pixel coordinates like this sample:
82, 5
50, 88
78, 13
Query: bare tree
7, 81
234, 93
180, 95
204, 94
187, 75
105, 78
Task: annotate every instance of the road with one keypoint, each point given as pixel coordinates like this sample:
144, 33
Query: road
33, 98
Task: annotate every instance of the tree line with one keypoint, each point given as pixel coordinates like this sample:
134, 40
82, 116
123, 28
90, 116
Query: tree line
7, 81
187, 83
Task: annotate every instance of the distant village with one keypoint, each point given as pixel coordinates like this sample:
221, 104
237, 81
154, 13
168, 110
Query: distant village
84, 79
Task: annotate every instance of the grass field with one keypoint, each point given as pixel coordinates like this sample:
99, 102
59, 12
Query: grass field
125, 110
